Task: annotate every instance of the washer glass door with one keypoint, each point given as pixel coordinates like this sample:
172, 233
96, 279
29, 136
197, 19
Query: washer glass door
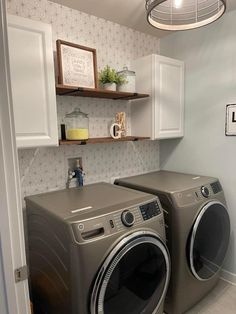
209, 240
133, 278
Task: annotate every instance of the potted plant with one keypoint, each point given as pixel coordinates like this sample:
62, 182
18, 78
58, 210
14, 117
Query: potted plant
108, 78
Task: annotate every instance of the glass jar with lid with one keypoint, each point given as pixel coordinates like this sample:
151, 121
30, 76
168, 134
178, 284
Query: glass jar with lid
77, 125
130, 78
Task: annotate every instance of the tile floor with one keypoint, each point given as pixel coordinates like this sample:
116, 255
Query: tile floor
221, 300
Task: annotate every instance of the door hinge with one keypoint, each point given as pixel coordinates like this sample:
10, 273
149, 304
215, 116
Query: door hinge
21, 273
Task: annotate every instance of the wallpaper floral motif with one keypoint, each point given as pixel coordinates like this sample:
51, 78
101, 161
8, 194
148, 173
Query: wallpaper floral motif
44, 169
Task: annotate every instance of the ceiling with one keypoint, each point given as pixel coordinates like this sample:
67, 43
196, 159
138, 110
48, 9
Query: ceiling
130, 13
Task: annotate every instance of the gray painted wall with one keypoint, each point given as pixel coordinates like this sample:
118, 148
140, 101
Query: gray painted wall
210, 57
3, 307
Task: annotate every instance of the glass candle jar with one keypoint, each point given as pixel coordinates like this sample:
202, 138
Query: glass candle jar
77, 125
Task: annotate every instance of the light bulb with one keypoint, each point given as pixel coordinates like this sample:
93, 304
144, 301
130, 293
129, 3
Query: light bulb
178, 3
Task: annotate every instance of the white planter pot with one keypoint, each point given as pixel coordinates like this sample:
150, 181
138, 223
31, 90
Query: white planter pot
110, 86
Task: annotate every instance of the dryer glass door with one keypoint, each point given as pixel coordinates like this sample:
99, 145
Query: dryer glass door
209, 240
134, 277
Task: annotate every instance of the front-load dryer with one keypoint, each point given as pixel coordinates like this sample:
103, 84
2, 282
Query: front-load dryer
99, 249
197, 230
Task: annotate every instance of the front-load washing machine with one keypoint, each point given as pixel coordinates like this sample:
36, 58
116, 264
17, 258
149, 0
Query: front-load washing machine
197, 230
99, 249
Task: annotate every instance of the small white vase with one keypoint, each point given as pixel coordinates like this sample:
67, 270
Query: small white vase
110, 86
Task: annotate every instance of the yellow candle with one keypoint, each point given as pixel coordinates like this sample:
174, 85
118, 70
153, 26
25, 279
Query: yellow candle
77, 134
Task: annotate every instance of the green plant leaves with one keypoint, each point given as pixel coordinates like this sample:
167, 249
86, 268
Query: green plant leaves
109, 75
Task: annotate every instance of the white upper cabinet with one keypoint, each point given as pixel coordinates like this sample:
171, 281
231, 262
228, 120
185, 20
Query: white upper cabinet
33, 82
160, 116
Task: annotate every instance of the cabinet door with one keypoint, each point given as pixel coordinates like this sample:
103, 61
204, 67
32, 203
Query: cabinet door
142, 110
168, 98
33, 82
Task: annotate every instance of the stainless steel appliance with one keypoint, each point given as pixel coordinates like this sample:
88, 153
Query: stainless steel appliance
99, 249
197, 228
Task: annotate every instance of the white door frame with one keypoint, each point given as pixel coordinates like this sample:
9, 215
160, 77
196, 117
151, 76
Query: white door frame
11, 216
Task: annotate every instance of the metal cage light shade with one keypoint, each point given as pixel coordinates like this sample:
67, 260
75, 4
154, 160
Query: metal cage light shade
173, 15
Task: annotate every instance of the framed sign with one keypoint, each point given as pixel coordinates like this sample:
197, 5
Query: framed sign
77, 65
230, 123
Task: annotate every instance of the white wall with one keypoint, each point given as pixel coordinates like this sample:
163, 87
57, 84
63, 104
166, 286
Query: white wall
3, 307
210, 57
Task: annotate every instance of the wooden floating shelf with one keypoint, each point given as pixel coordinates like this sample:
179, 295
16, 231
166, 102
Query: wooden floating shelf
64, 90
99, 140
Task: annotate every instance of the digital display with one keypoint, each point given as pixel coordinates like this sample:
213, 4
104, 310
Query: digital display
150, 210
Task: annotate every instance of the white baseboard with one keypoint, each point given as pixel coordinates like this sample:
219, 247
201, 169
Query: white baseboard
229, 277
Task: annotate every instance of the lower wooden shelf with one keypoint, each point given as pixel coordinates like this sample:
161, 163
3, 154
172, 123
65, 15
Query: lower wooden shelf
99, 140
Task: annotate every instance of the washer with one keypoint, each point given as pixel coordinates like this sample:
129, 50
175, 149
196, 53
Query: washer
99, 249
197, 229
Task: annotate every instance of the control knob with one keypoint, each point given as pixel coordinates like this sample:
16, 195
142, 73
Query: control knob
127, 218
205, 192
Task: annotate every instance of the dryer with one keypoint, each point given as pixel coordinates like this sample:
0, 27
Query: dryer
197, 229
99, 249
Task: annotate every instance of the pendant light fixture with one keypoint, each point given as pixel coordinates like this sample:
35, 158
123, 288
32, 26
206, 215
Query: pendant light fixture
173, 15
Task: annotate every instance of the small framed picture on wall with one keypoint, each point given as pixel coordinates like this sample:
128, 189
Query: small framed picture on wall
230, 123
77, 65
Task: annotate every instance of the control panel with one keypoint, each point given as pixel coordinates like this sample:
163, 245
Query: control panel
100, 226
199, 194
150, 210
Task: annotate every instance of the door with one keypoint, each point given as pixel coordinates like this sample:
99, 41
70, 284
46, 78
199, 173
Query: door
209, 240
133, 278
12, 248
33, 82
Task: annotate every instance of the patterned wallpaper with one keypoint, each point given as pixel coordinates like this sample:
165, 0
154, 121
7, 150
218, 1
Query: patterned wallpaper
44, 169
